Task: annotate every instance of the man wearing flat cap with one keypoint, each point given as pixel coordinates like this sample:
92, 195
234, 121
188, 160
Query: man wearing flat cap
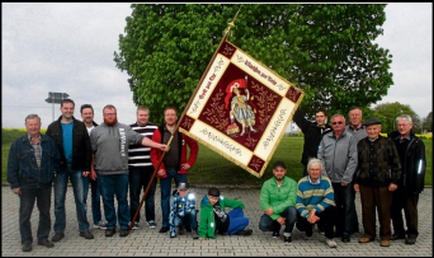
377, 176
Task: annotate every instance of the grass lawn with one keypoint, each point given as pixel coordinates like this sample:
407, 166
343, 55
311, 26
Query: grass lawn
213, 169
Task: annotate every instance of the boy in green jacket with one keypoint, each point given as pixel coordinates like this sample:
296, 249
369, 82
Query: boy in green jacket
213, 216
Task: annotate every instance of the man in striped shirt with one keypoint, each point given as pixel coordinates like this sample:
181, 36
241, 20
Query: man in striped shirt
141, 170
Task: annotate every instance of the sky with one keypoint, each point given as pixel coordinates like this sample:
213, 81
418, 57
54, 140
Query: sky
69, 48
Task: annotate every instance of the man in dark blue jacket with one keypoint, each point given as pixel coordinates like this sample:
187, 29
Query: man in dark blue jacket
32, 162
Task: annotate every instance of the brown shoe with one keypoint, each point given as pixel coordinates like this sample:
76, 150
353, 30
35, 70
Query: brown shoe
364, 240
385, 243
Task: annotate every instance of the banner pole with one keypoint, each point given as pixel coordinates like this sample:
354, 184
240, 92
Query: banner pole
227, 31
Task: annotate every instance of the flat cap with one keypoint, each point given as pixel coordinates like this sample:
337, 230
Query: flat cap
372, 121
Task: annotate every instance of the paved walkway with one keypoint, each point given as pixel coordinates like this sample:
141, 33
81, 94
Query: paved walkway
148, 242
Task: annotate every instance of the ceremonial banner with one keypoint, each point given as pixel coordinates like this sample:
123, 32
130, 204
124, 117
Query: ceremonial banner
241, 109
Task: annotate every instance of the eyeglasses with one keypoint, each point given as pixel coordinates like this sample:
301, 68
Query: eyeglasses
213, 197
339, 123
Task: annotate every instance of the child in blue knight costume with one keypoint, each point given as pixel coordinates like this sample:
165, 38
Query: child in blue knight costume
183, 212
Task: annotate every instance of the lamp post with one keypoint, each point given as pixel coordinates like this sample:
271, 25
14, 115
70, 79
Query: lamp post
56, 97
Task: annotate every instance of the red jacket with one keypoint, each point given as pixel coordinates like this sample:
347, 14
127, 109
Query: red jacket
183, 142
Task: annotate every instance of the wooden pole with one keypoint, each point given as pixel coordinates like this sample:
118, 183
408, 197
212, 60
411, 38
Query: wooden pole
230, 26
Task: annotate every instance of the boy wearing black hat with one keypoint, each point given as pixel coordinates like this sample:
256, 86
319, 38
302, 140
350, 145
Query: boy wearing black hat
377, 176
213, 216
183, 212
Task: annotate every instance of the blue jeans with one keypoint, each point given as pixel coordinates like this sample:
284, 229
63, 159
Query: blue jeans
166, 192
237, 221
27, 202
139, 178
60, 187
344, 199
266, 223
110, 186
189, 221
96, 201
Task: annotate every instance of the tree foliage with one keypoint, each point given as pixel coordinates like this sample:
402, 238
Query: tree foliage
325, 49
388, 112
427, 123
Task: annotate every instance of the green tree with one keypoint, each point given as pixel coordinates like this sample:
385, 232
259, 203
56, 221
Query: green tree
325, 49
388, 112
427, 123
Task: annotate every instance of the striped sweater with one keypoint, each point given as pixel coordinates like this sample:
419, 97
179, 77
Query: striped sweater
316, 196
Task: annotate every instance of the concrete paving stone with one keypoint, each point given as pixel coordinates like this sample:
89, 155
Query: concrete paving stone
148, 242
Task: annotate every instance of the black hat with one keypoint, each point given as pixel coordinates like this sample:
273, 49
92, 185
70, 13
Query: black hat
183, 185
372, 121
214, 191
279, 164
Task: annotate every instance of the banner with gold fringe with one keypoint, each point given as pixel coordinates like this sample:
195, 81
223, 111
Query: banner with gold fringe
241, 109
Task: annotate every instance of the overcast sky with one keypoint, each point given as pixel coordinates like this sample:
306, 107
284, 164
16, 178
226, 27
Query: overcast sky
69, 48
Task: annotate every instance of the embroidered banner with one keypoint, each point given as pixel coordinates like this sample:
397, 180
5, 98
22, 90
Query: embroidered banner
241, 109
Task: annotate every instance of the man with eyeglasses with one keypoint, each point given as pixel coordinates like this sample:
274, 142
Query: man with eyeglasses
338, 151
411, 150
110, 142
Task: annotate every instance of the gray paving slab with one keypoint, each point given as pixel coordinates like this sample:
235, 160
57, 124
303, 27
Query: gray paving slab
148, 242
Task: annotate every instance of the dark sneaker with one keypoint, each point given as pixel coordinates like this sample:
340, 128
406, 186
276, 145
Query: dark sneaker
194, 234
397, 236
346, 239
309, 233
58, 236
27, 247
123, 232
110, 232
86, 234
46, 243
244, 232
287, 240
164, 229
275, 234
181, 231
152, 224
410, 241
136, 225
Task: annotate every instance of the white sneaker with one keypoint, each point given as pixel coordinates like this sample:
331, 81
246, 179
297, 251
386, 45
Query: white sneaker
152, 224
100, 225
331, 243
136, 225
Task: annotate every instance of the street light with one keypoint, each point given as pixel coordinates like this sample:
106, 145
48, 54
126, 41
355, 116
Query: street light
56, 97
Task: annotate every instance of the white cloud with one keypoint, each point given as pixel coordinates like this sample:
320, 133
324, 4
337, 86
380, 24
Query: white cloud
408, 36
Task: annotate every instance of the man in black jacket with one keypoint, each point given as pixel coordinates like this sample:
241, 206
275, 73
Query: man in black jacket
313, 133
73, 142
411, 151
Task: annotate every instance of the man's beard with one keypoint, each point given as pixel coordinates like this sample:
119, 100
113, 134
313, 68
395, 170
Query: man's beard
110, 122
